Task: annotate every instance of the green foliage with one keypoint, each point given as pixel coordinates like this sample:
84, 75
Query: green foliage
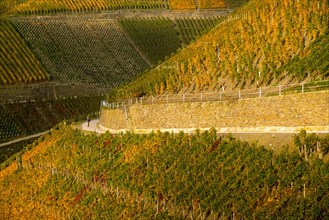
235, 3
17, 64
315, 59
158, 37
311, 145
166, 175
82, 51
31, 7
10, 128
7, 152
77, 6
260, 43
32, 117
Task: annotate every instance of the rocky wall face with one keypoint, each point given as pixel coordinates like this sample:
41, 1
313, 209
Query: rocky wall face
113, 119
309, 109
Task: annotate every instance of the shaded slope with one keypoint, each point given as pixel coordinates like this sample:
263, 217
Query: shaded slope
313, 61
248, 48
28, 118
29, 7
160, 37
156, 37
71, 175
53, 6
82, 51
103, 52
9, 127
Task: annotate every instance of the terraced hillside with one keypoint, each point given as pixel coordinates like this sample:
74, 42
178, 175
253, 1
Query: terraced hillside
165, 176
28, 7
26, 118
18, 64
53, 6
103, 52
261, 43
87, 51
198, 4
160, 37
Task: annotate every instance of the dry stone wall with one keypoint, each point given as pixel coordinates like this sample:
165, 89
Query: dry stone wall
294, 110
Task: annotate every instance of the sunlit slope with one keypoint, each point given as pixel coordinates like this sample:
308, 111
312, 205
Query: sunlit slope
18, 64
70, 175
251, 48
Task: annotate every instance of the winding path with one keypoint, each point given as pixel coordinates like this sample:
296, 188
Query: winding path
270, 135
24, 138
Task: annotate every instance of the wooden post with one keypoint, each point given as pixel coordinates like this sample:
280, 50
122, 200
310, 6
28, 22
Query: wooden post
157, 207
260, 92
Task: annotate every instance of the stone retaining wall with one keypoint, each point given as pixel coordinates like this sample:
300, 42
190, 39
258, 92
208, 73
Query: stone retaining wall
294, 110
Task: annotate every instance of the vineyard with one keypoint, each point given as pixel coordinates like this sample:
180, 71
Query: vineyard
9, 127
199, 4
259, 44
32, 7
102, 52
82, 51
18, 64
160, 37
27, 118
69, 174
165, 176
54, 6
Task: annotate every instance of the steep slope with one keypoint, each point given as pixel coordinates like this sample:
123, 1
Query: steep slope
54, 6
160, 37
103, 52
69, 175
18, 64
27, 118
82, 51
28, 7
252, 47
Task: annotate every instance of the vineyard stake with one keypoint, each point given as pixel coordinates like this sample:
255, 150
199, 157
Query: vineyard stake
260, 92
